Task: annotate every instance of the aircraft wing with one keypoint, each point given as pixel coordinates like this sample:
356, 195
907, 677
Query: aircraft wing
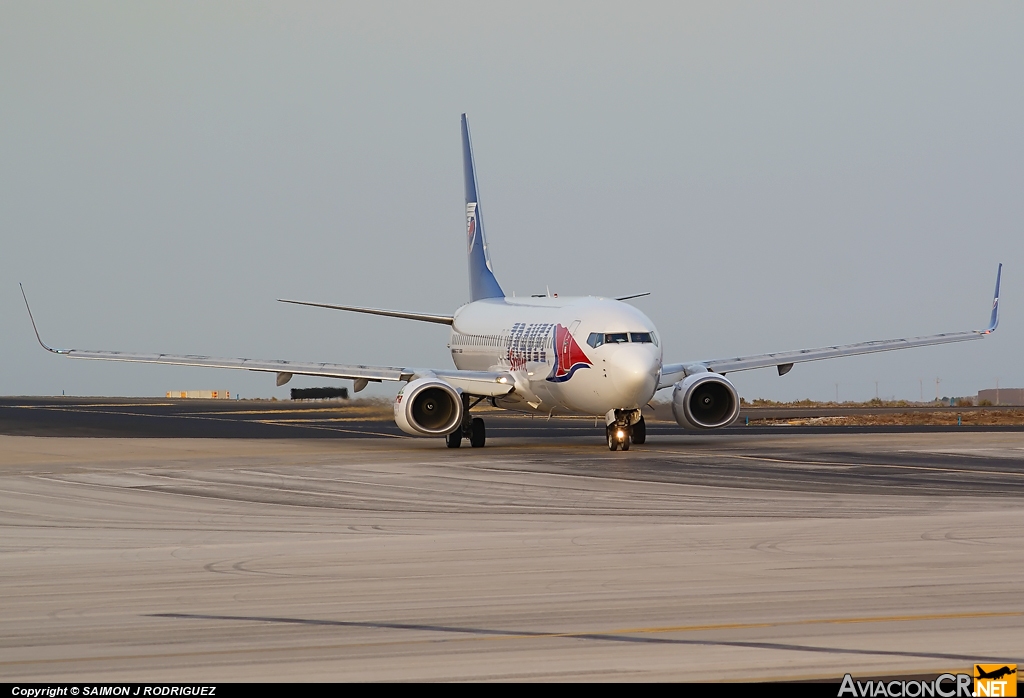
672, 373
481, 383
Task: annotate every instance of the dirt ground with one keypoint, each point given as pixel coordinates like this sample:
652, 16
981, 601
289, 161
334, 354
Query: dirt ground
945, 416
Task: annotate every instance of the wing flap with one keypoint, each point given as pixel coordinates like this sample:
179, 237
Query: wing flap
479, 383
671, 373
745, 363
328, 370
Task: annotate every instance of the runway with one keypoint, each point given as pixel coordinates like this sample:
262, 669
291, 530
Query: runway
264, 419
735, 556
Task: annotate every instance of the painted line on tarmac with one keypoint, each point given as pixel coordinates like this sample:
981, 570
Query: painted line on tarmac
288, 410
281, 423
485, 634
883, 465
70, 408
629, 635
821, 621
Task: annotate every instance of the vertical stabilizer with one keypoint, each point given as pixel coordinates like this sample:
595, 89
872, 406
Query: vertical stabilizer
482, 283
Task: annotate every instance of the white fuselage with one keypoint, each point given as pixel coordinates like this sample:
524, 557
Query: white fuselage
543, 343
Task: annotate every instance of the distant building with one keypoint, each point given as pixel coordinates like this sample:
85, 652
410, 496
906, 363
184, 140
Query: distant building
200, 394
1002, 396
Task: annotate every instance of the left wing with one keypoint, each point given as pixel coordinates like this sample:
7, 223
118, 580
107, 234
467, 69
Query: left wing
483, 383
671, 373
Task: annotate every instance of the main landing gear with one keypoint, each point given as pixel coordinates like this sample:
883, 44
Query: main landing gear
620, 433
472, 428
476, 433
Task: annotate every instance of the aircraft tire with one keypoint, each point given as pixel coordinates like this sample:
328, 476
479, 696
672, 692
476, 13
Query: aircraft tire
477, 433
613, 443
454, 440
639, 432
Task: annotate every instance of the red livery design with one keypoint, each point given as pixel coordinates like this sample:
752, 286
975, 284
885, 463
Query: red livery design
568, 356
471, 225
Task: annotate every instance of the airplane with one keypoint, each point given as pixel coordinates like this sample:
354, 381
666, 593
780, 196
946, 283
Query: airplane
545, 354
995, 674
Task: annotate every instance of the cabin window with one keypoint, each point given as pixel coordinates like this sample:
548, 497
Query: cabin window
595, 339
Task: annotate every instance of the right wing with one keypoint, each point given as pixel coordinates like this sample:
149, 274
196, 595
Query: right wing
481, 383
783, 361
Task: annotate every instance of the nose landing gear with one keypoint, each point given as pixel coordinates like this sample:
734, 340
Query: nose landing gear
624, 427
618, 437
639, 431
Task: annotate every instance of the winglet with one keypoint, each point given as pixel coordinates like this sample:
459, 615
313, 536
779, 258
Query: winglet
33, 321
993, 322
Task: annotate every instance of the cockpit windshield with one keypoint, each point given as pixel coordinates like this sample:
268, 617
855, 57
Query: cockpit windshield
596, 339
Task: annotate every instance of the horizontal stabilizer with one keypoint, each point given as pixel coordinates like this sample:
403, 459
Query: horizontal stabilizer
422, 317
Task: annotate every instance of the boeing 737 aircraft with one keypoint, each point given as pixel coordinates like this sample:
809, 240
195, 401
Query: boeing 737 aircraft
583, 355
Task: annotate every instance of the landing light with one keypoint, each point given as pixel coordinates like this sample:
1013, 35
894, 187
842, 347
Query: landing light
620, 433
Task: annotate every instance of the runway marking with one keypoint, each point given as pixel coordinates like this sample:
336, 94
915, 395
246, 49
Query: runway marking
333, 429
628, 635
820, 621
100, 404
282, 423
299, 420
302, 410
599, 633
504, 635
880, 465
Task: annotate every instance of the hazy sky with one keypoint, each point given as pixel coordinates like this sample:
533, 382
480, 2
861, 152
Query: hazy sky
778, 175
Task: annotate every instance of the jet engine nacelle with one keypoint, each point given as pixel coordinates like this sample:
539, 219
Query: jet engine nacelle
428, 407
705, 401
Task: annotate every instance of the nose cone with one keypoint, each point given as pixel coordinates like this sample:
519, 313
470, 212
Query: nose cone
633, 370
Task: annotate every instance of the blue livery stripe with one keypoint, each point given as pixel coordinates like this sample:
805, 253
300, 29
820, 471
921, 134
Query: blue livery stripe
482, 283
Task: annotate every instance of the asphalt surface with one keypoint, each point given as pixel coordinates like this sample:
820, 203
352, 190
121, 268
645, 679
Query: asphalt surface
256, 419
741, 555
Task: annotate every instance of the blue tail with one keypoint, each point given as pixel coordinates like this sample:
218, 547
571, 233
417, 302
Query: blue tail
482, 283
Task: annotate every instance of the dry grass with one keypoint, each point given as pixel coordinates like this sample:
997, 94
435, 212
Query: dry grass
944, 417
874, 402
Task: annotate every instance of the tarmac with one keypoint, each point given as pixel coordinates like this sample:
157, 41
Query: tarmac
737, 556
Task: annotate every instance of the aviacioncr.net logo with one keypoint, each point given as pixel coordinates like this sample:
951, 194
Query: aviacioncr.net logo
943, 686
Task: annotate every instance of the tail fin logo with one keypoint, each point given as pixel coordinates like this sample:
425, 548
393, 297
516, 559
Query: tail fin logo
568, 356
471, 225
